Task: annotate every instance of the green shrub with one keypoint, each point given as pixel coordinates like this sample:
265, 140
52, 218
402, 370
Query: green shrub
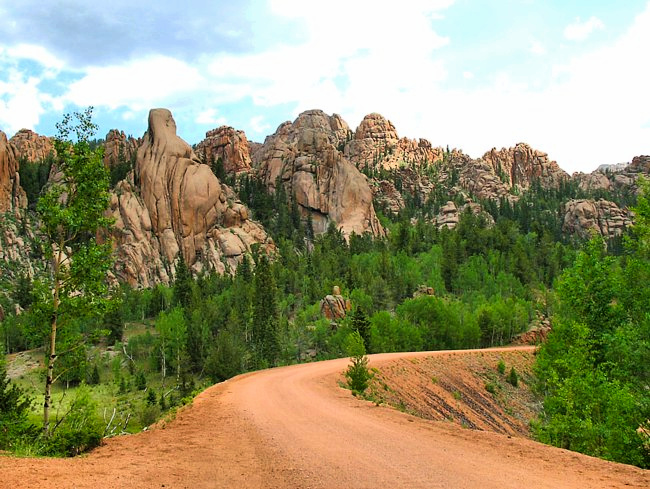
79, 430
15, 429
149, 414
490, 387
358, 376
513, 377
501, 367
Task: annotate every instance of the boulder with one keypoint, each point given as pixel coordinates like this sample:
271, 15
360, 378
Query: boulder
449, 214
334, 306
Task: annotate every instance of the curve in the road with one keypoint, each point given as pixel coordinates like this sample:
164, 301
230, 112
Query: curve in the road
295, 427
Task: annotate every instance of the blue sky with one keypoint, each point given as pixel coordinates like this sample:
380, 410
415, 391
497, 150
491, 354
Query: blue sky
569, 78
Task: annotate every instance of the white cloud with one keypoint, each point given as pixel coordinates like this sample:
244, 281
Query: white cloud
258, 124
21, 103
468, 75
36, 53
579, 30
138, 84
209, 116
538, 48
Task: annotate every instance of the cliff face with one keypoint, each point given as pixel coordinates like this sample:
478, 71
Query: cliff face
12, 196
304, 156
16, 228
181, 207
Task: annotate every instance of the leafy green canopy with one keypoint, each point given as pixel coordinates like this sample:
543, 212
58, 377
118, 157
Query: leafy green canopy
594, 371
73, 214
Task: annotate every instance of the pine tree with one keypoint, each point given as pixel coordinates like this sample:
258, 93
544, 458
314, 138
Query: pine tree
182, 283
264, 334
361, 324
14, 410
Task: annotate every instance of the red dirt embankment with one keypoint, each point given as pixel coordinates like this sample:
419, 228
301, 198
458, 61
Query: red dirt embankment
294, 427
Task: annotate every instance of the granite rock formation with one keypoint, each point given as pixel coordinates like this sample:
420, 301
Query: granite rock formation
12, 196
522, 164
230, 145
376, 143
304, 156
585, 217
334, 306
119, 148
180, 207
31, 146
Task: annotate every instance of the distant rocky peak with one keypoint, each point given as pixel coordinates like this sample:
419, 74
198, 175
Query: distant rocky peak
376, 127
119, 148
376, 145
228, 144
521, 164
31, 146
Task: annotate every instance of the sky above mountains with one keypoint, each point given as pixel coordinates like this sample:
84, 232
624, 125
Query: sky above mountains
569, 78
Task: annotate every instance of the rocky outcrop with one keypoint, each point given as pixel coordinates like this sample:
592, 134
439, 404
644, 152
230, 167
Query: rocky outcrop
387, 196
229, 145
449, 214
119, 148
138, 260
334, 306
590, 182
12, 196
533, 336
31, 146
304, 156
376, 144
585, 217
478, 177
640, 164
16, 227
522, 164
180, 207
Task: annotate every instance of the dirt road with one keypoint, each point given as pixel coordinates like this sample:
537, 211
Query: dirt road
294, 427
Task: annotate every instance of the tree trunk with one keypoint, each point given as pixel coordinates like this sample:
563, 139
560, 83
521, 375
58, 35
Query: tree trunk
49, 379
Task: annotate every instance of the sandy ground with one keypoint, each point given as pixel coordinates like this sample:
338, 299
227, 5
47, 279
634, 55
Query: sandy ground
294, 427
